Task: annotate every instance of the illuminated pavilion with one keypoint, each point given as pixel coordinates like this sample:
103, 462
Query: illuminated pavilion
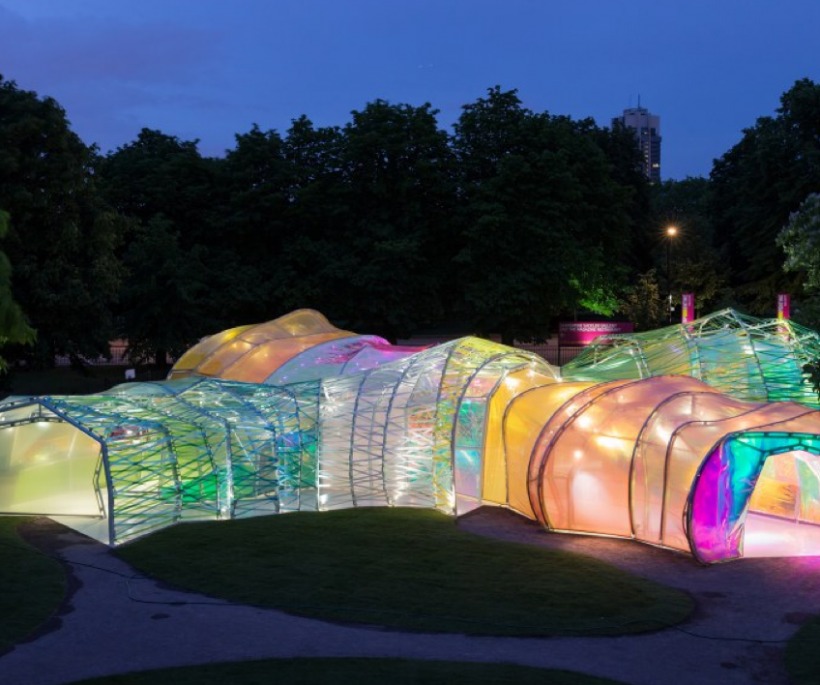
295, 414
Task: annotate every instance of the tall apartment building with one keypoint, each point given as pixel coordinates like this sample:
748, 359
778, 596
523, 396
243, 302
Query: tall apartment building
647, 129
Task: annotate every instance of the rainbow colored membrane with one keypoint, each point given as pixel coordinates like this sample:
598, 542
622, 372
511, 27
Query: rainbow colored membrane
296, 415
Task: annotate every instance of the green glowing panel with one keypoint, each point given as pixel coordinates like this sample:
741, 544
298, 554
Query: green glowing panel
757, 360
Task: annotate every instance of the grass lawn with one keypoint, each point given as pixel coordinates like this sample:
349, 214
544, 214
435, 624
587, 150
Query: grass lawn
802, 655
405, 568
351, 672
32, 585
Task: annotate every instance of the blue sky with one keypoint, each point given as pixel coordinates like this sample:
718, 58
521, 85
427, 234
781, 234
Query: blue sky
208, 69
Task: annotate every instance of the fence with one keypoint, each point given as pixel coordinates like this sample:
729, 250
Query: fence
550, 350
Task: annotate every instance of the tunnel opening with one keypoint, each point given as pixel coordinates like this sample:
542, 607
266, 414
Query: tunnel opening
49, 467
783, 516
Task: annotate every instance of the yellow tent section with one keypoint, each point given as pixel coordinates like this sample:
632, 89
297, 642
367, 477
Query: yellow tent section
253, 353
521, 426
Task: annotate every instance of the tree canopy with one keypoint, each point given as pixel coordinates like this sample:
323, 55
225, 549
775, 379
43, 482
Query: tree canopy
756, 186
697, 266
545, 225
389, 224
166, 194
14, 327
62, 239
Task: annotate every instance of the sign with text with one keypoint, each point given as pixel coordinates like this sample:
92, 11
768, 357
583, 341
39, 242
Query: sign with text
584, 332
784, 306
687, 310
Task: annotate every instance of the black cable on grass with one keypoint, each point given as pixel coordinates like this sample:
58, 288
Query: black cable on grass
588, 631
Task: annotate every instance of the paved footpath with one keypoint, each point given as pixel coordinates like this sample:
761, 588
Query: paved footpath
113, 623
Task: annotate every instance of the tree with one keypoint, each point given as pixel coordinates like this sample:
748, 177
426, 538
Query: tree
171, 199
800, 240
161, 174
758, 184
626, 168
257, 180
545, 226
643, 304
696, 264
167, 296
61, 238
313, 260
14, 327
400, 197
369, 223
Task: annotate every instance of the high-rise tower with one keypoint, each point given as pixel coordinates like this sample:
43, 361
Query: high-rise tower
647, 128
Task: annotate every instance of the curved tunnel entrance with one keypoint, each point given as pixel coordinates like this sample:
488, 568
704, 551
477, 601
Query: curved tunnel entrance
758, 495
783, 518
49, 467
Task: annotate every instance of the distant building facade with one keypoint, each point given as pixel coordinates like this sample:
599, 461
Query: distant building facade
647, 128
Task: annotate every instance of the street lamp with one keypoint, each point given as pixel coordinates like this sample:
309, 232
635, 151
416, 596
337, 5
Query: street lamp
671, 232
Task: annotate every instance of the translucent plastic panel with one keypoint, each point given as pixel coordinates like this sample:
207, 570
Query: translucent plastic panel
212, 355
299, 324
650, 465
712, 530
468, 447
607, 360
471, 429
777, 492
678, 355
377, 355
713, 534
808, 482
411, 428
49, 468
204, 349
757, 360
729, 520
495, 458
589, 462
328, 359
305, 322
524, 421
369, 448
548, 486
263, 332
253, 470
789, 487
258, 364
730, 362
337, 418
771, 536
227, 355
783, 516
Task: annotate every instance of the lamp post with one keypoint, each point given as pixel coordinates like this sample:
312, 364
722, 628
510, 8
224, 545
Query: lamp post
671, 232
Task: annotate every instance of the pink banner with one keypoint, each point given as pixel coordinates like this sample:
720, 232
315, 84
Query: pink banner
584, 332
784, 306
687, 307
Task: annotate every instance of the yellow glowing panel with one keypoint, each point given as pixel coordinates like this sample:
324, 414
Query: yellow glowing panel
495, 462
306, 322
193, 357
525, 419
50, 470
224, 357
258, 365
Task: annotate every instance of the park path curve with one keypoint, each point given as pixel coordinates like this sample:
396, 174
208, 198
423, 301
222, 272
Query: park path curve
110, 624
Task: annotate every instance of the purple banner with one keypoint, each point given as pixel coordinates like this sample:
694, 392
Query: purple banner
584, 332
784, 306
687, 309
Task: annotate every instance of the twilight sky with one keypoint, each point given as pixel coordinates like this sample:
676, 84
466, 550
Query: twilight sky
208, 69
